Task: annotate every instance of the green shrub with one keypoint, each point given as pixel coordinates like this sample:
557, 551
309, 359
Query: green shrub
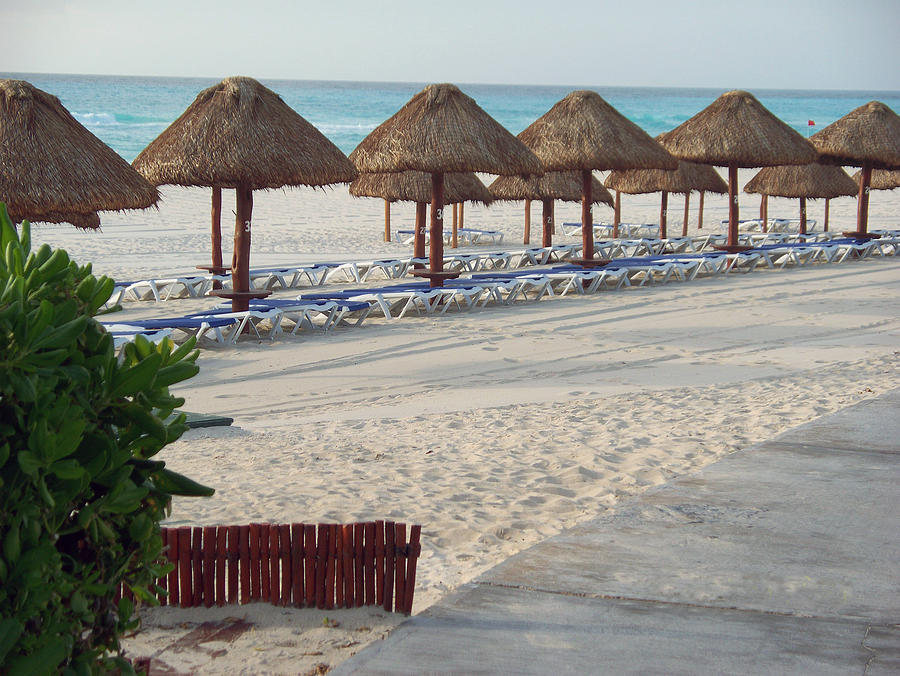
80, 495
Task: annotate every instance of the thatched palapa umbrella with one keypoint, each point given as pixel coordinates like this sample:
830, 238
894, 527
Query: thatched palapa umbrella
415, 186
55, 170
882, 179
554, 185
441, 130
804, 181
583, 132
239, 134
687, 177
869, 138
734, 131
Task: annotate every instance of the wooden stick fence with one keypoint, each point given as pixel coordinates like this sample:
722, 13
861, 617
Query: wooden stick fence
303, 565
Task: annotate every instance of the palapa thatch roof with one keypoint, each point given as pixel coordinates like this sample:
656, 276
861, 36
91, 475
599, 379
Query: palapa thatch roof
868, 135
736, 129
689, 176
415, 186
557, 185
55, 170
808, 180
441, 130
239, 132
582, 131
882, 179
703, 178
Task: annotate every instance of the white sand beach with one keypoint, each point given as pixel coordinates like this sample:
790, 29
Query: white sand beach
494, 428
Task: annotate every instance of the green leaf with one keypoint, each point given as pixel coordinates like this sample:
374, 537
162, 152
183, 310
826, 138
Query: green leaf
177, 484
175, 373
29, 463
129, 381
45, 661
61, 336
10, 630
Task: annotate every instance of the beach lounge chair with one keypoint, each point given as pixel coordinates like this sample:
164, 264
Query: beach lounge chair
476, 236
215, 329
167, 288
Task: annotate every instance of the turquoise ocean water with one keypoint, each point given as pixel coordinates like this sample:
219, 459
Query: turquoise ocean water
129, 112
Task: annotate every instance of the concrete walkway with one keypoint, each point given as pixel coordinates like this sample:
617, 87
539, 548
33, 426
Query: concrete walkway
783, 558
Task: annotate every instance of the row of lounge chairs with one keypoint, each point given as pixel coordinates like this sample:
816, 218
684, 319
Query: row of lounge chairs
324, 309
464, 236
320, 274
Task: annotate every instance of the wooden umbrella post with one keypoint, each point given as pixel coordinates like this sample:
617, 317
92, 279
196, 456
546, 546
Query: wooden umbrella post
764, 212
527, 222
387, 221
733, 210
663, 214
802, 215
587, 219
462, 214
700, 211
419, 237
240, 265
454, 241
547, 222
216, 234
827, 205
862, 206
436, 243
617, 214
687, 206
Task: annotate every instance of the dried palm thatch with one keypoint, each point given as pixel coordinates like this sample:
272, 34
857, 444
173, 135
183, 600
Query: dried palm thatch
703, 178
808, 180
882, 179
557, 185
737, 130
240, 133
415, 186
441, 130
868, 135
582, 131
55, 170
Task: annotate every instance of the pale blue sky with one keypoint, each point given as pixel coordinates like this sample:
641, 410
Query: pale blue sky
787, 44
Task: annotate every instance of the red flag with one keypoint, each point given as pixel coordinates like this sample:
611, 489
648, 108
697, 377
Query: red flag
810, 123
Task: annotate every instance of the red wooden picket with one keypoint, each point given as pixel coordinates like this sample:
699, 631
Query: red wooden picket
264, 571
388, 565
220, 561
297, 563
359, 590
197, 565
209, 565
369, 563
330, 566
347, 541
184, 566
379, 563
321, 554
254, 563
164, 580
309, 544
415, 548
233, 554
274, 563
172, 543
400, 566
287, 566
246, 568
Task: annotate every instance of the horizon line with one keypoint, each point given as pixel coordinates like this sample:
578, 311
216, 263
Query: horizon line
459, 83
